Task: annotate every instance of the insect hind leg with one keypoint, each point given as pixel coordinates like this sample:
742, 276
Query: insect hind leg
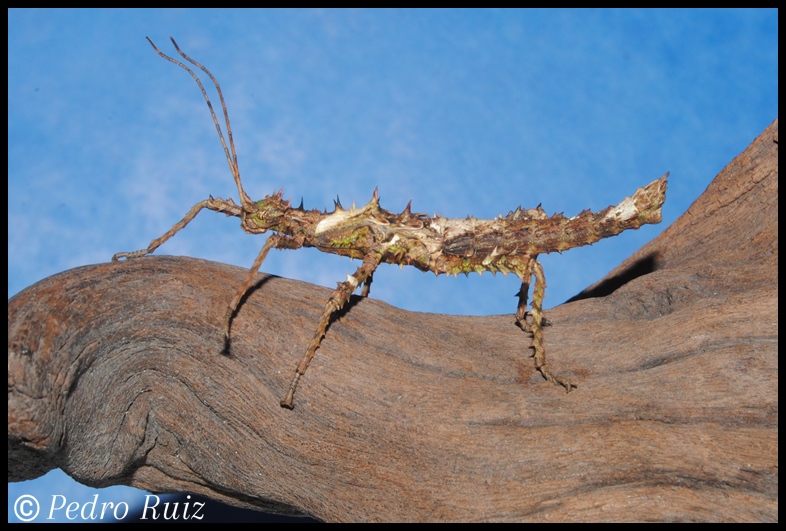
536, 328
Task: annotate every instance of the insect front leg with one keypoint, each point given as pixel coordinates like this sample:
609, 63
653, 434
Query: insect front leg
335, 303
158, 242
218, 205
539, 293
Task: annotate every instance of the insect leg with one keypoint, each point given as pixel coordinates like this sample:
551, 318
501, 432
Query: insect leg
367, 285
218, 205
274, 241
335, 303
523, 295
539, 293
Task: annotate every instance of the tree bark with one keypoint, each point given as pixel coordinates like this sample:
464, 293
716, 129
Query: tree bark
116, 375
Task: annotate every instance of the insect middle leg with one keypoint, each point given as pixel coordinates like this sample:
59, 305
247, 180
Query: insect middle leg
276, 241
536, 329
335, 303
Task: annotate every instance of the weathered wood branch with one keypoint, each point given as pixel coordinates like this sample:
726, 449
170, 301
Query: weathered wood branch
115, 375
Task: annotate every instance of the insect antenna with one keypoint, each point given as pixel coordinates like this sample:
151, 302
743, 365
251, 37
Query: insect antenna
246, 201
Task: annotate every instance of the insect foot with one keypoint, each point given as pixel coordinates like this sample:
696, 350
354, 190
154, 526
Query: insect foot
509, 244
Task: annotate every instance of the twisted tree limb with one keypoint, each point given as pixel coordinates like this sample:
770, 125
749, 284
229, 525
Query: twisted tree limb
115, 375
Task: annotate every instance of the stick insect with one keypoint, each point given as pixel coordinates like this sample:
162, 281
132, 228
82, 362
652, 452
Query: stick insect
509, 244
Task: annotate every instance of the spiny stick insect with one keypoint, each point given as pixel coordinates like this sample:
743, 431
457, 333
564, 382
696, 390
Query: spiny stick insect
509, 244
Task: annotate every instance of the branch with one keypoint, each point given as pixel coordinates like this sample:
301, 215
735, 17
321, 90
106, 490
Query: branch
115, 375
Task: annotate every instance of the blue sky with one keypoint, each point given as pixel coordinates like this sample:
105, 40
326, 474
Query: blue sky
464, 112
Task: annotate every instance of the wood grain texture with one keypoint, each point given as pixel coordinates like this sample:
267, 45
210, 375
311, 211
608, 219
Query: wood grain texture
115, 375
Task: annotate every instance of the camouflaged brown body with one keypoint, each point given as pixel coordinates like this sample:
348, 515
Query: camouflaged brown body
451, 246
